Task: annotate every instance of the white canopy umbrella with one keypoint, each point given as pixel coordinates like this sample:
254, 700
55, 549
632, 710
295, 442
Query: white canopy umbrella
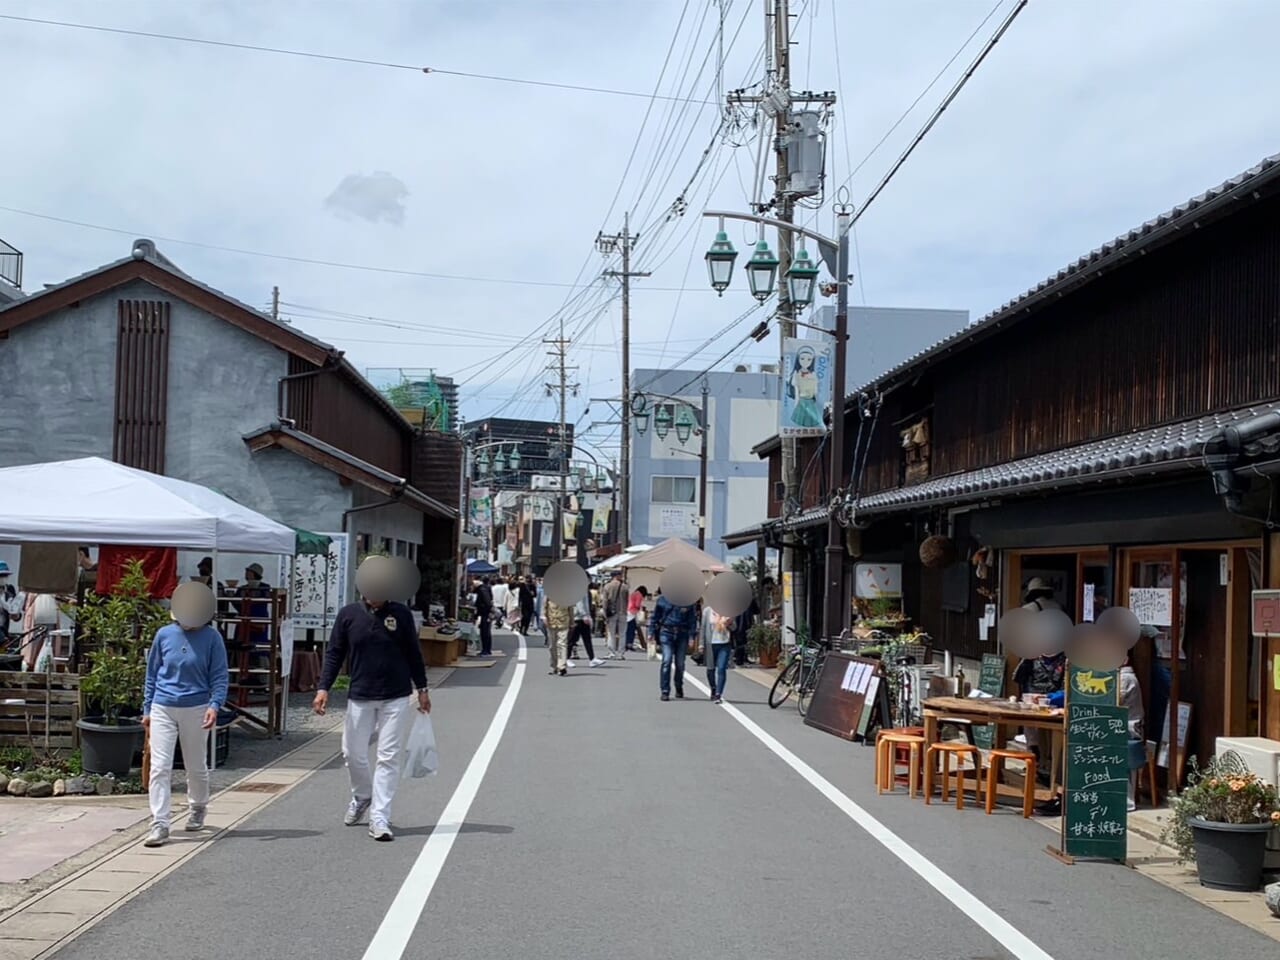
618, 559
97, 501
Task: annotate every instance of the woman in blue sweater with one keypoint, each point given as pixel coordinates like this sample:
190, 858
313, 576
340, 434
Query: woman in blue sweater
186, 686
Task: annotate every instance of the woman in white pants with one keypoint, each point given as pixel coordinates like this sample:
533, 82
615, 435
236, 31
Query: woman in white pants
186, 686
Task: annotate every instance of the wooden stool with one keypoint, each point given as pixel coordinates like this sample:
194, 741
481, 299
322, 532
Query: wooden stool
997, 758
1149, 773
901, 753
887, 745
949, 750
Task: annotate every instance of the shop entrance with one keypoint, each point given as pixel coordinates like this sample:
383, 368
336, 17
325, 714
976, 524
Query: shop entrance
1213, 666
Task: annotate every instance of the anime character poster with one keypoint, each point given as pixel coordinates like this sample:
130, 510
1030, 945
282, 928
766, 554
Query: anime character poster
806, 387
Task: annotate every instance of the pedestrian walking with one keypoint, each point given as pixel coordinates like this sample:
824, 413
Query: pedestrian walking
379, 642
186, 686
742, 625
513, 607
540, 612
528, 596
635, 616
717, 646
581, 632
616, 615
558, 621
675, 626
484, 613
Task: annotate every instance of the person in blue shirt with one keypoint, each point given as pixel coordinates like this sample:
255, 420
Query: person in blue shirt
674, 625
186, 685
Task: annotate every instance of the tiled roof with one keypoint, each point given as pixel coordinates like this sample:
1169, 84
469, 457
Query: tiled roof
1192, 212
744, 536
1176, 446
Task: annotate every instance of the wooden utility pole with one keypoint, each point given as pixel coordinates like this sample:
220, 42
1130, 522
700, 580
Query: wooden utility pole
558, 353
275, 304
625, 243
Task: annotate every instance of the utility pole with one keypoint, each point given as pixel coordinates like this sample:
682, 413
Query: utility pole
275, 304
624, 242
558, 353
777, 101
702, 469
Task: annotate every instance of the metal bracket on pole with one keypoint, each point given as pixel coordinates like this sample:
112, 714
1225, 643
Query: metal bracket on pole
828, 248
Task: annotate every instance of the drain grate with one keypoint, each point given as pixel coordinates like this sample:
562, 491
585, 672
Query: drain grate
260, 786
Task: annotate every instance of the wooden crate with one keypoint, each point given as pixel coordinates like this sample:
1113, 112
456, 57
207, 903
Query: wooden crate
24, 724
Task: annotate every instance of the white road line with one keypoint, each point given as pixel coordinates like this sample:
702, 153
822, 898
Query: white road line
995, 925
397, 926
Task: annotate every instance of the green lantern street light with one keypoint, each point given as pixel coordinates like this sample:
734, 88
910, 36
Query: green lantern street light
499, 462
482, 463
720, 260
662, 422
801, 279
641, 420
514, 459
762, 271
684, 426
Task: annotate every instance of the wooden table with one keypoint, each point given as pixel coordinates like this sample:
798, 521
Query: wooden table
1003, 714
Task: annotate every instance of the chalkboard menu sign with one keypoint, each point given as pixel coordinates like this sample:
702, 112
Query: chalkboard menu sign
848, 692
991, 681
1095, 809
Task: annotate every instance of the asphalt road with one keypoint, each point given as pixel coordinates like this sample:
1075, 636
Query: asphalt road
610, 824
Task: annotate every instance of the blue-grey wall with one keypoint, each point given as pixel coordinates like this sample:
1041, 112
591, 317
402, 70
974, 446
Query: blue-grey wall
743, 412
58, 393
880, 338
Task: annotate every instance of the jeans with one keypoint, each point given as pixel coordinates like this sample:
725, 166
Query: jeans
169, 726
486, 635
673, 653
718, 667
387, 722
631, 634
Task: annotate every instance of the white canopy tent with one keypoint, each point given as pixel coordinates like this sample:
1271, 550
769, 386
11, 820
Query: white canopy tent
618, 559
97, 501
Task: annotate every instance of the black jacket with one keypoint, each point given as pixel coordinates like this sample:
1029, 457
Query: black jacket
380, 648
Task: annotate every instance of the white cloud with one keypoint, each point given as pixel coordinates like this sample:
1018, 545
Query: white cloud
377, 197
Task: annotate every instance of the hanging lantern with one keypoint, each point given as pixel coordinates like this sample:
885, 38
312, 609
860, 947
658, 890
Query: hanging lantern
684, 425
514, 459
762, 271
801, 279
662, 422
720, 259
482, 463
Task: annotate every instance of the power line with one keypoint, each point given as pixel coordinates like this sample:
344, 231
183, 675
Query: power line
332, 58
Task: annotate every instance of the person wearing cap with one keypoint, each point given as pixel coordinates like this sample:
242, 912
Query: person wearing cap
204, 573
185, 688
674, 626
378, 641
615, 615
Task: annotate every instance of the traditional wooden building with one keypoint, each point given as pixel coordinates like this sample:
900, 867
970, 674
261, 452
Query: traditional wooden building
1116, 427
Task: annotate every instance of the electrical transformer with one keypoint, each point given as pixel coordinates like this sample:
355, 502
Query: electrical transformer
806, 148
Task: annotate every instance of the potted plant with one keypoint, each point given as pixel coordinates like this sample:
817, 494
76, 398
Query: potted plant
120, 627
764, 641
1221, 821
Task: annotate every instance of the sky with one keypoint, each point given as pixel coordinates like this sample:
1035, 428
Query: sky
454, 218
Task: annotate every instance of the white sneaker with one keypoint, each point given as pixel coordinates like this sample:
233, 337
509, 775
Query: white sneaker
570, 664
355, 810
195, 820
380, 830
158, 836
597, 662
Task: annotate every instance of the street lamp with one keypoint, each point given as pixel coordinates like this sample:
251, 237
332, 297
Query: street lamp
662, 421
684, 426
720, 260
801, 279
762, 271
482, 463
499, 462
514, 460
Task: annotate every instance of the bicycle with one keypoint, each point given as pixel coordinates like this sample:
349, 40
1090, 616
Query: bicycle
801, 657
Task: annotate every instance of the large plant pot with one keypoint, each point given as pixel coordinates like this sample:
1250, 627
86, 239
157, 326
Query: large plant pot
769, 659
106, 748
1229, 856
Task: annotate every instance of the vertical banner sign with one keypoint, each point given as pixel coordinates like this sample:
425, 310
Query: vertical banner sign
481, 507
1095, 816
806, 387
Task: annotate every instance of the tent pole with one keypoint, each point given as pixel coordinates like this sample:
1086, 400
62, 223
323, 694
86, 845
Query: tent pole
212, 746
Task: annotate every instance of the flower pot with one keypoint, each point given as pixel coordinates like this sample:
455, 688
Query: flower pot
108, 748
1229, 856
768, 659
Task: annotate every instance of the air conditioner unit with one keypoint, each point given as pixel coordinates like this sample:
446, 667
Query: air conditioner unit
768, 368
1260, 755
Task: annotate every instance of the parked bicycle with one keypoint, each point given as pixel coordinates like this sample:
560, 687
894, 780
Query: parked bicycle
800, 675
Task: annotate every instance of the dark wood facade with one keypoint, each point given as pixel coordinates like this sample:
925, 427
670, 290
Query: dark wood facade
1190, 329
142, 384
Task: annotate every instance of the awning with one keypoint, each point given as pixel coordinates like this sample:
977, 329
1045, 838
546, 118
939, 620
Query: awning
311, 544
469, 541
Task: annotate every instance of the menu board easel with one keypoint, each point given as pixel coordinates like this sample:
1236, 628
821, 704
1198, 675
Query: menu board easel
849, 692
1095, 797
990, 681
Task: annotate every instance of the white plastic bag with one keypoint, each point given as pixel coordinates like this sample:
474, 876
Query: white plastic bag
421, 758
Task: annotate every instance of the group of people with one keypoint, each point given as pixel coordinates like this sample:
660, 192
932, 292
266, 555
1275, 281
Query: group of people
186, 685
1046, 676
